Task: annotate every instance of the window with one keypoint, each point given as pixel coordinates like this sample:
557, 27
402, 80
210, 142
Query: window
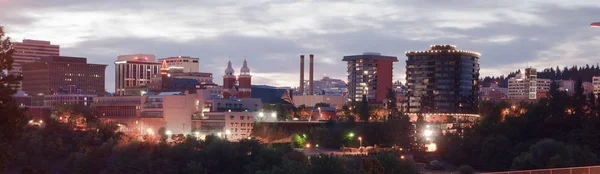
195, 61
241, 117
232, 117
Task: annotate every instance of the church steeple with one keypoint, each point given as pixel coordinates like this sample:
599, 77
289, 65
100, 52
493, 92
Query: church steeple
229, 70
245, 70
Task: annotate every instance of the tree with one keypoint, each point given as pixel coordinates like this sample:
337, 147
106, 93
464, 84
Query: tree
363, 109
13, 118
465, 169
549, 153
391, 104
371, 166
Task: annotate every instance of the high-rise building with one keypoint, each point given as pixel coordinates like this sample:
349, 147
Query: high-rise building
369, 74
134, 72
186, 63
30, 51
596, 83
442, 81
54, 74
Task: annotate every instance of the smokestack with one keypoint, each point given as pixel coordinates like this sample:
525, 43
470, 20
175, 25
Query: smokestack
301, 74
310, 76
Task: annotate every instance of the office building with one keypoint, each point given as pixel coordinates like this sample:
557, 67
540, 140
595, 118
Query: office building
55, 100
31, 51
596, 84
523, 85
184, 63
442, 82
492, 93
134, 72
369, 74
55, 74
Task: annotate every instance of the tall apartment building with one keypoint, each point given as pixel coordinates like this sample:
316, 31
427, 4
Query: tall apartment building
526, 85
134, 72
30, 51
443, 81
369, 74
185, 63
51, 75
596, 84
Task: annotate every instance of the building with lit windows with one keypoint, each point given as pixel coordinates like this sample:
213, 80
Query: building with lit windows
55, 100
185, 63
31, 51
523, 85
54, 74
442, 82
233, 126
134, 72
369, 74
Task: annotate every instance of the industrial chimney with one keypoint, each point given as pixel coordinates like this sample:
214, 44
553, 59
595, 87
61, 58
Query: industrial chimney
310, 76
301, 74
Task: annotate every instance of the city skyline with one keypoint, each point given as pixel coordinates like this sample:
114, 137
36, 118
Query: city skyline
541, 34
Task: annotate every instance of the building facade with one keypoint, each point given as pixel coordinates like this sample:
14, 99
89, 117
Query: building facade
51, 75
369, 74
185, 63
596, 84
442, 81
326, 86
55, 100
233, 126
524, 85
31, 51
134, 72
312, 100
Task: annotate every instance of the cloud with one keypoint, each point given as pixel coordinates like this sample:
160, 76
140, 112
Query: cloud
272, 34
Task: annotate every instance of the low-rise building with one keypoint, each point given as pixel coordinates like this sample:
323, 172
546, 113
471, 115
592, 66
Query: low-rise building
236, 104
312, 100
233, 126
55, 100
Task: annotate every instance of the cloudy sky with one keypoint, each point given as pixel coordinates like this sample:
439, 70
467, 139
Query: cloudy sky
271, 34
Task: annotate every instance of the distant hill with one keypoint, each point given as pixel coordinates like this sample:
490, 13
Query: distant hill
584, 72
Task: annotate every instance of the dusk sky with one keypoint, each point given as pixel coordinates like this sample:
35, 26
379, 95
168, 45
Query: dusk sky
510, 34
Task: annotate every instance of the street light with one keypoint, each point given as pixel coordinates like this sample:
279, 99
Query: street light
351, 135
274, 115
169, 133
360, 140
261, 114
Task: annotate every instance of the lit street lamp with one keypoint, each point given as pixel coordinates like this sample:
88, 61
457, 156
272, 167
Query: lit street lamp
169, 133
360, 140
351, 135
274, 115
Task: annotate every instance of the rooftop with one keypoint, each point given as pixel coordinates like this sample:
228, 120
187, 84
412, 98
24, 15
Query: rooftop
369, 55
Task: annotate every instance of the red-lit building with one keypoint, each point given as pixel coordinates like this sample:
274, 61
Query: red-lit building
369, 74
240, 87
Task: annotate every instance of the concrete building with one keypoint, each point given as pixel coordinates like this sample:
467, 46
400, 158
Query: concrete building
442, 82
369, 74
54, 74
172, 111
596, 84
185, 63
31, 51
311, 100
134, 72
55, 100
236, 104
233, 126
523, 85
124, 110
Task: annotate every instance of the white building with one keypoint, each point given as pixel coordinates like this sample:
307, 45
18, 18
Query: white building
596, 84
187, 63
233, 126
525, 85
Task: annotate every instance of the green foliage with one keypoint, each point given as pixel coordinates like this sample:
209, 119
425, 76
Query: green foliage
392, 165
298, 141
549, 153
326, 164
465, 169
364, 109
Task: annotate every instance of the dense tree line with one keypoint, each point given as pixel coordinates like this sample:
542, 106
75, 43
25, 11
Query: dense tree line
560, 131
566, 73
